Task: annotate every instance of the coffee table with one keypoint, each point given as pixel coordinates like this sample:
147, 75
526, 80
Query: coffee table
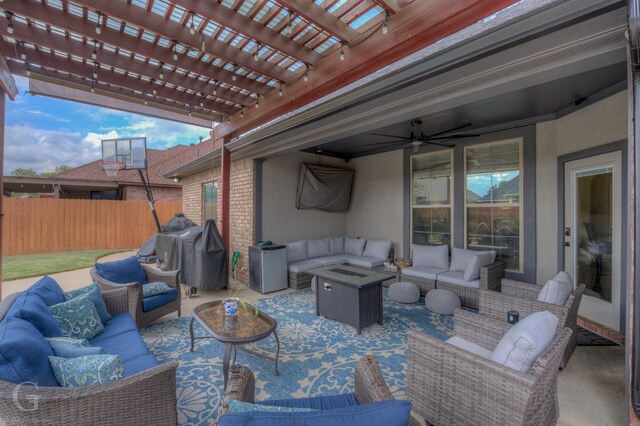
350, 295
233, 331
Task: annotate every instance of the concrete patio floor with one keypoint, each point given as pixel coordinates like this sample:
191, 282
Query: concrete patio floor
590, 388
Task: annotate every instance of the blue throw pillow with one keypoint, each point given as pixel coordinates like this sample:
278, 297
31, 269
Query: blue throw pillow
123, 271
23, 354
86, 370
92, 291
243, 407
78, 318
383, 413
73, 348
31, 308
48, 290
155, 288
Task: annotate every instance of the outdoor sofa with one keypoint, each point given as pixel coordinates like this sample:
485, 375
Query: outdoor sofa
29, 392
308, 254
467, 273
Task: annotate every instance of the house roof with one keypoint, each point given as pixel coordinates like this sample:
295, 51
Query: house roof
159, 162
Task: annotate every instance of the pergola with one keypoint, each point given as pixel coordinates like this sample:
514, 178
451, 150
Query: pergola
239, 63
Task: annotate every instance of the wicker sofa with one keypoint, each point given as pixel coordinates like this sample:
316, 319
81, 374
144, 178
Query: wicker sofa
448, 385
146, 395
467, 273
308, 254
522, 297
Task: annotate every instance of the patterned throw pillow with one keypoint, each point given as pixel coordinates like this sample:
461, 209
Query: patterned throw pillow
68, 295
92, 291
86, 370
155, 288
77, 318
70, 340
66, 347
244, 407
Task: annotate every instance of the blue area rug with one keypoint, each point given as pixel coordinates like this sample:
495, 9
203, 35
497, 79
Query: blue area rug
317, 355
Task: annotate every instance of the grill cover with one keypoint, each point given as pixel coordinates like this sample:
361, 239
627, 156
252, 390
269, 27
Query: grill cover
198, 252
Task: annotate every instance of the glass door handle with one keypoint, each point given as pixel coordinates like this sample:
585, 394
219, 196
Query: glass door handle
567, 243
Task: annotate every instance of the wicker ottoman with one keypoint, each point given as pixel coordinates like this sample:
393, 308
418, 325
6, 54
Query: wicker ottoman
404, 292
442, 301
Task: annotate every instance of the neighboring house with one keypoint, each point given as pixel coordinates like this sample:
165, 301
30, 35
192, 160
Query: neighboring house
89, 181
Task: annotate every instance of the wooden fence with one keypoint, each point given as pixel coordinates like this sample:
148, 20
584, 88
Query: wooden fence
41, 225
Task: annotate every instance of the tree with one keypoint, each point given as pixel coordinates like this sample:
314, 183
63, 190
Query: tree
24, 172
59, 169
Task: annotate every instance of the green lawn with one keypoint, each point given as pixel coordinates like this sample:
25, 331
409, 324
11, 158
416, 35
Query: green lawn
33, 265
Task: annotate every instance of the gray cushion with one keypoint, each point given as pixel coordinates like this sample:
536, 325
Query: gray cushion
457, 278
364, 261
337, 259
564, 276
469, 347
477, 262
555, 291
336, 245
404, 292
460, 258
377, 249
354, 245
318, 248
442, 301
431, 256
524, 342
297, 251
423, 272
303, 265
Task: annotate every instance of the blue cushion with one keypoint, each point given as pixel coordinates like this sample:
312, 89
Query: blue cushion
139, 364
329, 402
120, 323
92, 291
383, 413
123, 271
243, 407
69, 350
48, 290
23, 354
86, 370
78, 318
127, 346
152, 302
31, 308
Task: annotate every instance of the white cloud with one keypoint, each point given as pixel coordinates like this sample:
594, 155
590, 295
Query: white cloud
95, 139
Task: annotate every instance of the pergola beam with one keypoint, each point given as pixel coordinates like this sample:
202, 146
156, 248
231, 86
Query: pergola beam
82, 26
229, 18
67, 45
7, 82
84, 70
138, 16
325, 20
392, 6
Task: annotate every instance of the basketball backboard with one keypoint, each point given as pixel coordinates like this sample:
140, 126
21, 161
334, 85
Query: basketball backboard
130, 152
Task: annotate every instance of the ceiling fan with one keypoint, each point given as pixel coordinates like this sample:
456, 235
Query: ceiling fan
417, 138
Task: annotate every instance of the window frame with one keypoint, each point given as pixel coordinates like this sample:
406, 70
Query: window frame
519, 204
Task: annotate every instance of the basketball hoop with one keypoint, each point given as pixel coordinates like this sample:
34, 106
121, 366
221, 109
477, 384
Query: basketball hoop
111, 167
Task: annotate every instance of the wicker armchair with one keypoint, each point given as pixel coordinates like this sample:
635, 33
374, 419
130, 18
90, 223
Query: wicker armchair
450, 386
521, 297
369, 386
126, 401
134, 291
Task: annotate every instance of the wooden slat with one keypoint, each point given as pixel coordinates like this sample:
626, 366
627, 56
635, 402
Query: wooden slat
7, 82
33, 224
325, 20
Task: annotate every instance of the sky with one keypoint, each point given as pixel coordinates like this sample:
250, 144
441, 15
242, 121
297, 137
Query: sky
42, 133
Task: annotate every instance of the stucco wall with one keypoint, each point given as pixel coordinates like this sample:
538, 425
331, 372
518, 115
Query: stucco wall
598, 124
281, 221
377, 203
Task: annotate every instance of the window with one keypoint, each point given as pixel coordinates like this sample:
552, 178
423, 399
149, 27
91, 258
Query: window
493, 198
431, 194
210, 201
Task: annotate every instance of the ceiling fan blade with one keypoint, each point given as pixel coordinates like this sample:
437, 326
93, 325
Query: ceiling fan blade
452, 137
388, 136
453, 129
384, 143
429, 141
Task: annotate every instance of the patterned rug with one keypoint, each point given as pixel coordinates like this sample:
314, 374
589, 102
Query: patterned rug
317, 355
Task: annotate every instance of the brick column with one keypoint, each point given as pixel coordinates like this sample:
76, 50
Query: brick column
3, 104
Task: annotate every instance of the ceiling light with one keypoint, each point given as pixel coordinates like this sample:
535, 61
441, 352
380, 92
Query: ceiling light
241, 113
28, 72
290, 24
281, 89
94, 54
192, 30
306, 74
10, 26
23, 54
98, 27
175, 52
234, 77
95, 73
258, 102
385, 24
93, 87
228, 120
255, 54
161, 75
342, 52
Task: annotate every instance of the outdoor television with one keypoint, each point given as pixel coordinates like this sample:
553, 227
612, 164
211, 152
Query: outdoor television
324, 188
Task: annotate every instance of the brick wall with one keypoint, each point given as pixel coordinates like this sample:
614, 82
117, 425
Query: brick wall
241, 226
159, 193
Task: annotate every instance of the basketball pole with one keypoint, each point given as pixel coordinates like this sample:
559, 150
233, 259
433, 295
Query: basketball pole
147, 189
